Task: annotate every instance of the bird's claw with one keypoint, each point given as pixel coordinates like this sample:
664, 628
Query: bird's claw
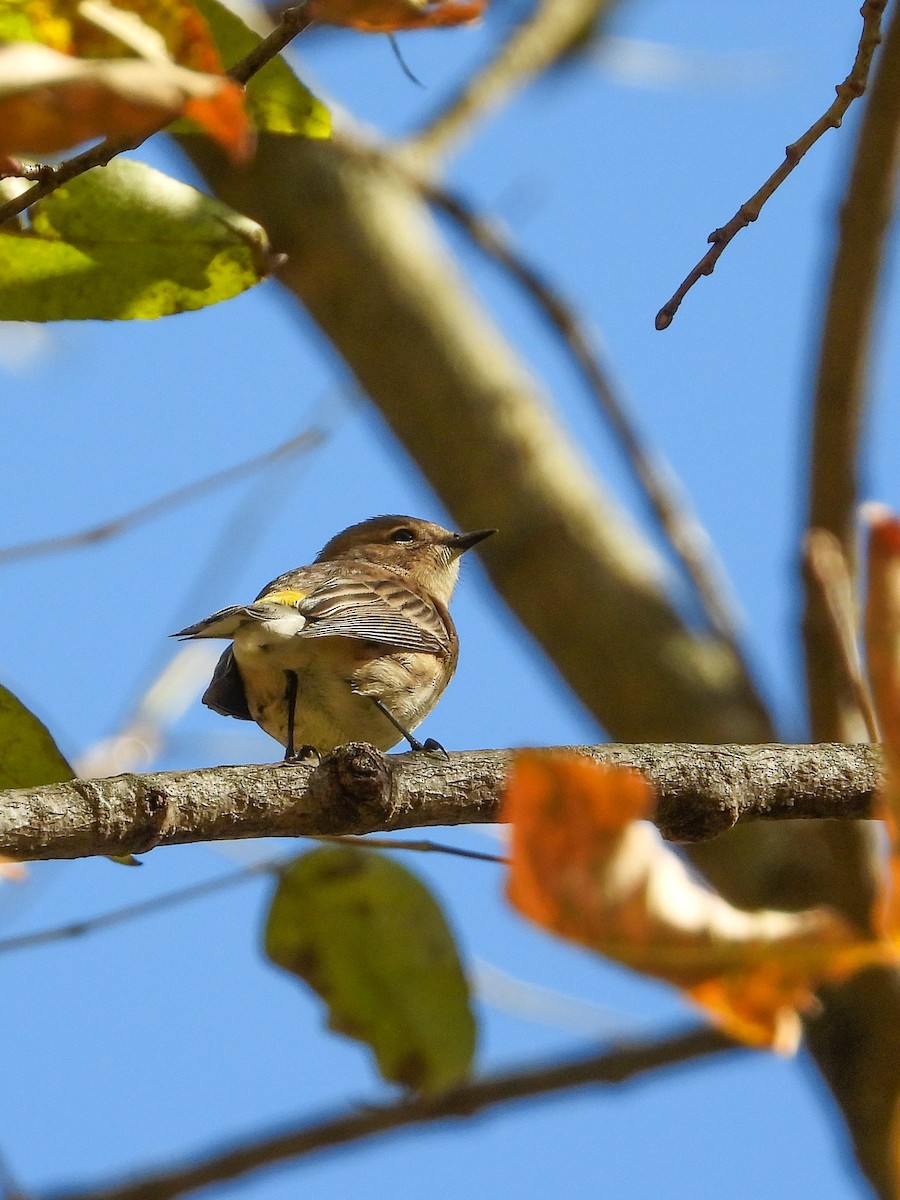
430, 746
306, 755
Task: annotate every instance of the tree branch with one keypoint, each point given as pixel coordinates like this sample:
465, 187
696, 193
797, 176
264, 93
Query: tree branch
843, 369
702, 791
609, 1067
854, 85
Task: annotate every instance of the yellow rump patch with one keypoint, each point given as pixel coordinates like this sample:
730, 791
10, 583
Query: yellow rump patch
289, 598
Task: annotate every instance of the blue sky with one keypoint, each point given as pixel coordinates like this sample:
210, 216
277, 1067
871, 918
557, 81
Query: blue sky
159, 1038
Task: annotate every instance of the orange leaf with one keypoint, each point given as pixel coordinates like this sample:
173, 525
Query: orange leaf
391, 16
225, 119
586, 866
51, 101
67, 26
16, 872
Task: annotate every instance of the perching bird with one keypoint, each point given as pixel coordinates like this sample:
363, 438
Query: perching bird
358, 646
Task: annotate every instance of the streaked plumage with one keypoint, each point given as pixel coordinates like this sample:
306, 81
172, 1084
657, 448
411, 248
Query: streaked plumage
366, 624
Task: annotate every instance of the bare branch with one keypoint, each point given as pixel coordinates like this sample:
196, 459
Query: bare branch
618, 1065
51, 176
852, 87
702, 791
842, 376
154, 508
680, 524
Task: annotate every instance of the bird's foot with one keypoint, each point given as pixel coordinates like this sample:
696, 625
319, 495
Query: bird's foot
306, 755
430, 746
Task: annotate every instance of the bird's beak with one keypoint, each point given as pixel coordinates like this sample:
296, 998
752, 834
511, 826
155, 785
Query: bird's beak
465, 541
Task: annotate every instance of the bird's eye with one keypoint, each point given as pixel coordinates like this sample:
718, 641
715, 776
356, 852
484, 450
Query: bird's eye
403, 535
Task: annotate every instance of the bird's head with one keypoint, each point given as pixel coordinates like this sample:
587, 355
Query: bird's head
424, 552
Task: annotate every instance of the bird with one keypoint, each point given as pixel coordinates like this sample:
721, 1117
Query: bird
357, 646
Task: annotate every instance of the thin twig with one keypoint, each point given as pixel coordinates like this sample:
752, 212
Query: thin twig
194, 891
824, 560
293, 22
687, 537
143, 908
154, 508
852, 87
425, 847
842, 378
614, 1066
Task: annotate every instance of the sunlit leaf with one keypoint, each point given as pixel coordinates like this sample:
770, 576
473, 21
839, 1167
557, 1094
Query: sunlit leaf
276, 99
586, 866
392, 16
28, 754
123, 242
370, 939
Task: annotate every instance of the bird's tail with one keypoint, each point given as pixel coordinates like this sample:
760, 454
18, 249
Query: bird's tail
223, 624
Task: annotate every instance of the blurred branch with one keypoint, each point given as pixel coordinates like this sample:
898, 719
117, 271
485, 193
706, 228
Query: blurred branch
532, 47
196, 891
162, 504
680, 524
618, 1065
702, 791
53, 175
852, 87
827, 571
843, 369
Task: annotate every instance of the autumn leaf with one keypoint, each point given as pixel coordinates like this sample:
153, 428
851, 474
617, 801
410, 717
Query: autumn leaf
74, 28
79, 86
586, 865
371, 940
392, 16
50, 101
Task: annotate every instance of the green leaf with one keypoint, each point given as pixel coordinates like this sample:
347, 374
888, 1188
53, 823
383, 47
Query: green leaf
276, 99
28, 754
370, 939
125, 241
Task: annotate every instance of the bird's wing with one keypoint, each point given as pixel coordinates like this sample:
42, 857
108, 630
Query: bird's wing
368, 606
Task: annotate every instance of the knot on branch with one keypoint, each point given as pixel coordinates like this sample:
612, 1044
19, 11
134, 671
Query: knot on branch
152, 818
686, 815
352, 786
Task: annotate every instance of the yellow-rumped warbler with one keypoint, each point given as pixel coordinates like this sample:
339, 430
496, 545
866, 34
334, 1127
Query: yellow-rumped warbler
358, 646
